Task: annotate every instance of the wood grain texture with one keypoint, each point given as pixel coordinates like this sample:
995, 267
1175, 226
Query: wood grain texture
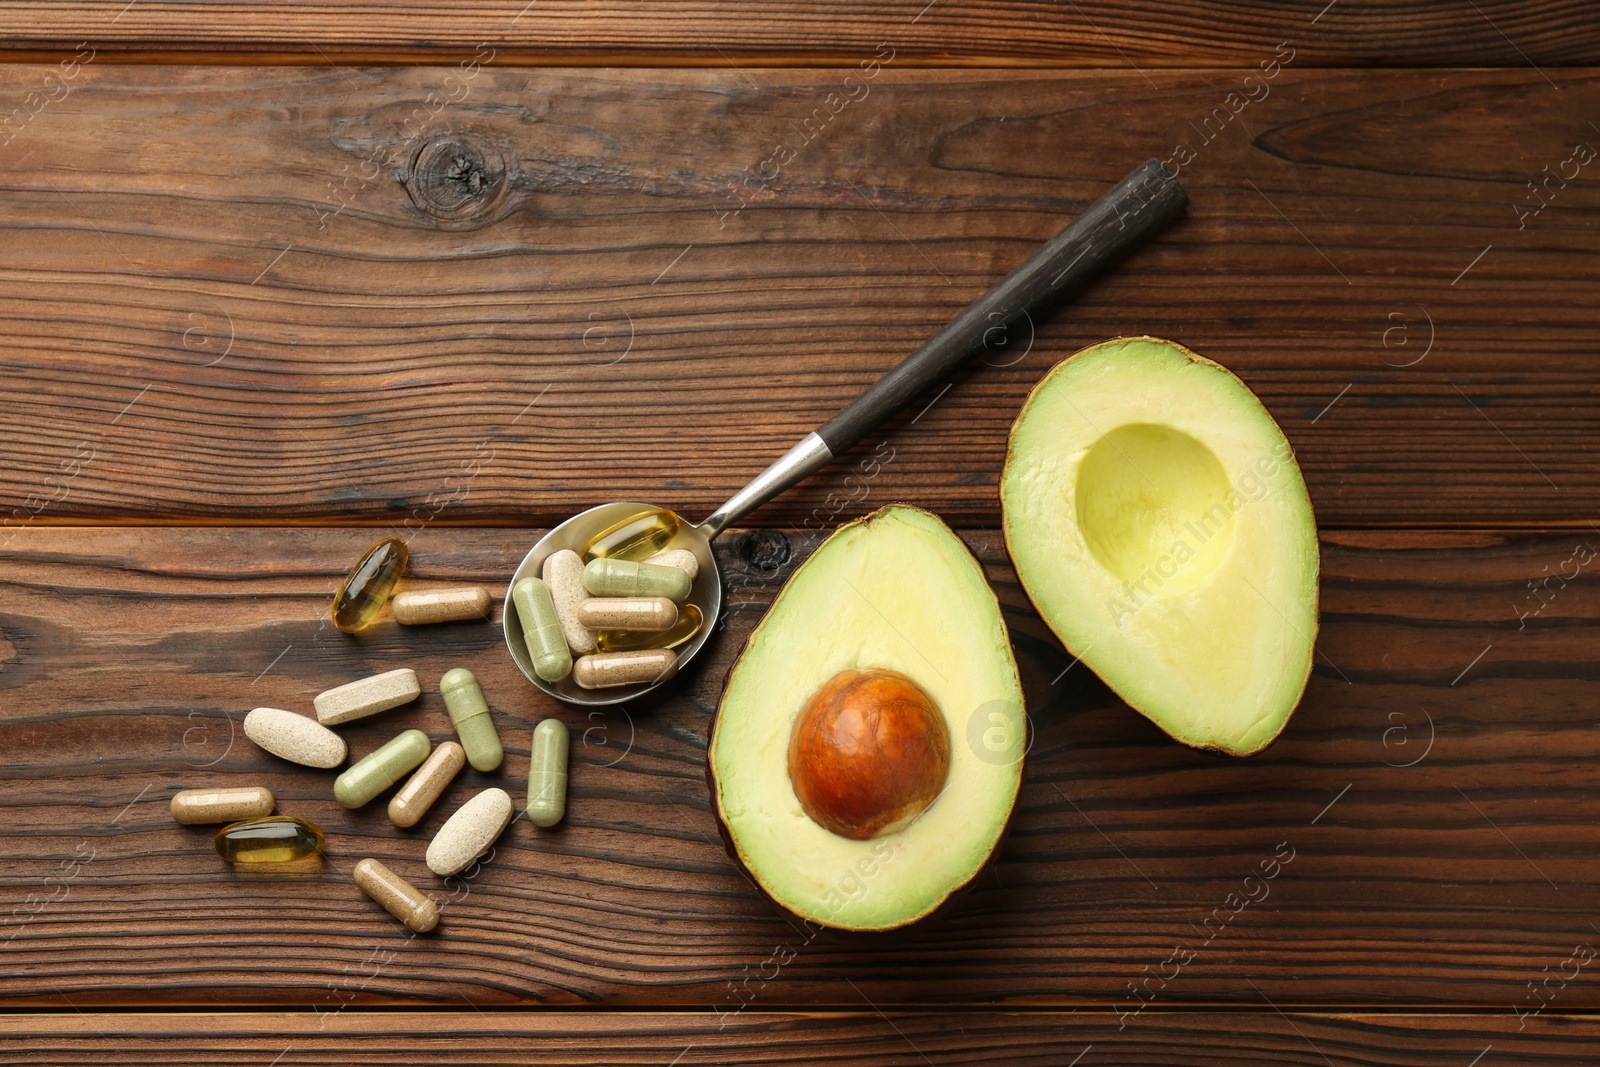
1432, 805
859, 1039
716, 33
305, 296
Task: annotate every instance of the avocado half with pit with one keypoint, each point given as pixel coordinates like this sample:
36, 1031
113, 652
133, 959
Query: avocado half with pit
868, 748
1157, 519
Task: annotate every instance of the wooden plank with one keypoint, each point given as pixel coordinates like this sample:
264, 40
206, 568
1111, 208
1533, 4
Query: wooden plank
860, 1039
1429, 816
232, 323
1144, 33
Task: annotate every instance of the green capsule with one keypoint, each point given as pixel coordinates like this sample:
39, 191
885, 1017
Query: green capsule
374, 773
365, 590
635, 537
547, 773
624, 577
541, 629
470, 714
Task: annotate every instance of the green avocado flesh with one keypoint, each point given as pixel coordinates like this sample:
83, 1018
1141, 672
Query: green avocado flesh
895, 590
1158, 520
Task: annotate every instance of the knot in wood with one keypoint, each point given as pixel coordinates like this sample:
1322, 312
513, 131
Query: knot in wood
764, 552
453, 180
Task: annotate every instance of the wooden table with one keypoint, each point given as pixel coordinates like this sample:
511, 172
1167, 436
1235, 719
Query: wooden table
277, 278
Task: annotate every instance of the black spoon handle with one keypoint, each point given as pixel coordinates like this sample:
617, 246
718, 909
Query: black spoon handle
1141, 203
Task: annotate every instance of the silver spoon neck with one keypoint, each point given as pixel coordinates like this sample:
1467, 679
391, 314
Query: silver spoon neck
806, 457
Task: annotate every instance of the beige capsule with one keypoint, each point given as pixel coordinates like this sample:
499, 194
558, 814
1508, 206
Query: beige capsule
649, 613
563, 573
469, 832
368, 696
420, 607
681, 558
399, 897
417, 795
648, 665
195, 807
296, 738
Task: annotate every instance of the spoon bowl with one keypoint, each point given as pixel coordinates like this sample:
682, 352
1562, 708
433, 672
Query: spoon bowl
575, 533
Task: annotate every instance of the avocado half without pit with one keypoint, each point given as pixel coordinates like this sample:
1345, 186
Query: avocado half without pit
868, 747
1157, 519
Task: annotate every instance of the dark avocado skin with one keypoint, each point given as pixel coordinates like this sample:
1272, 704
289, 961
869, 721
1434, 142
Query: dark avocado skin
876, 935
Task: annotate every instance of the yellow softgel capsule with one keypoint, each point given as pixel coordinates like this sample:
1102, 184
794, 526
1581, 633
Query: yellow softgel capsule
274, 839
365, 590
689, 622
636, 537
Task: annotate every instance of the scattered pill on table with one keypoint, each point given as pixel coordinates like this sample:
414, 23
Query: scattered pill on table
195, 807
296, 738
547, 773
361, 596
399, 897
470, 832
380, 769
469, 713
414, 799
422, 607
274, 839
607, 669
367, 696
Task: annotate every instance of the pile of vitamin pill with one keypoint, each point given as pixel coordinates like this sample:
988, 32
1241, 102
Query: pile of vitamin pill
616, 613
256, 838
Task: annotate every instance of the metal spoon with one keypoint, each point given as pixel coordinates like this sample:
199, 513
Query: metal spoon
1140, 204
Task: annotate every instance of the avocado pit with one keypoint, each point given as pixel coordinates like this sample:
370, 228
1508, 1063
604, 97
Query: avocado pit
869, 752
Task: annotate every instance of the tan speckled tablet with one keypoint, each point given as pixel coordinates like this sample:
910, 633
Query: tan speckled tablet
469, 832
563, 573
420, 607
357, 700
296, 738
229, 803
681, 558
